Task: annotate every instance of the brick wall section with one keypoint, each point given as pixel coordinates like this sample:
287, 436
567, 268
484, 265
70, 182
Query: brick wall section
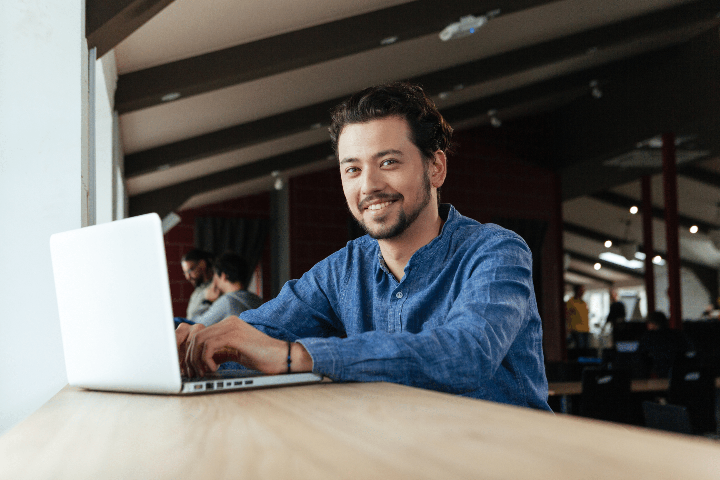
180, 240
318, 219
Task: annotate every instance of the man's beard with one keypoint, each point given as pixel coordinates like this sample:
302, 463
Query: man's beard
404, 220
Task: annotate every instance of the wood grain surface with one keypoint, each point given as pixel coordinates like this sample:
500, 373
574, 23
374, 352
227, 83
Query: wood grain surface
334, 431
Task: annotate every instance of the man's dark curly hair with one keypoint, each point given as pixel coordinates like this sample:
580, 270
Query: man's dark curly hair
430, 131
235, 267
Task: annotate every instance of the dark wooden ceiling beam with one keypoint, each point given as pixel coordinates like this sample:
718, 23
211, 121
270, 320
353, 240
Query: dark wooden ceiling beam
109, 22
658, 213
228, 139
166, 200
270, 56
707, 177
605, 264
601, 237
592, 277
708, 276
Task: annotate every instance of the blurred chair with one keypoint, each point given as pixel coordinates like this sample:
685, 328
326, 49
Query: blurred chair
692, 385
668, 417
606, 395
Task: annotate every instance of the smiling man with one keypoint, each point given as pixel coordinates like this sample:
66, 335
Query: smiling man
428, 298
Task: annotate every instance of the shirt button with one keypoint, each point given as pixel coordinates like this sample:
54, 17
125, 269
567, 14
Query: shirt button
398, 295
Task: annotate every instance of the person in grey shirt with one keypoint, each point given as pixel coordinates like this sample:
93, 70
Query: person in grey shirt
231, 272
197, 268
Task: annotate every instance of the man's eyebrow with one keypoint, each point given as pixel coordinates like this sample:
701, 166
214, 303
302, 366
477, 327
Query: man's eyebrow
388, 152
377, 155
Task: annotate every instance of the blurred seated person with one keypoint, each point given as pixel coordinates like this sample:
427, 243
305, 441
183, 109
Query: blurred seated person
577, 317
197, 267
660, 345
228, 290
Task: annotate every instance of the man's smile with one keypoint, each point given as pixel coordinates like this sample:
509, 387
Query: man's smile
378, 206
378, 203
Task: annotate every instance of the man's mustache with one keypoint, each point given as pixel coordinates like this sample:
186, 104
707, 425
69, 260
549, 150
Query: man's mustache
381, 197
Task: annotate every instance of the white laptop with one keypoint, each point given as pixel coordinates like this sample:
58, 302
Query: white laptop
116, 314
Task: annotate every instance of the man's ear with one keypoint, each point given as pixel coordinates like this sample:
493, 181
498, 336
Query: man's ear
438, 169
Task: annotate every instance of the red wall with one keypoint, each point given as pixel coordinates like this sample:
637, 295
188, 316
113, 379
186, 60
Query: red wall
318, 219
180, 239
490, 175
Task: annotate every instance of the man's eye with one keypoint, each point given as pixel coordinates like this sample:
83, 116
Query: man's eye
387, 162
351, 170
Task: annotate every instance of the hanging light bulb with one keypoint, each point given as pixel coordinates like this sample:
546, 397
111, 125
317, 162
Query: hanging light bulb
494, 120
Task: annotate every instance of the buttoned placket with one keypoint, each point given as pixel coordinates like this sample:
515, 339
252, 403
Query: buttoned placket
397, 300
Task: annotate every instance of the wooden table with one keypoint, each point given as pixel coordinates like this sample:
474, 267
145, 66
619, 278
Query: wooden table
334, 431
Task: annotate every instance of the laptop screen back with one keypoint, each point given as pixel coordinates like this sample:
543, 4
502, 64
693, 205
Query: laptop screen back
115, 306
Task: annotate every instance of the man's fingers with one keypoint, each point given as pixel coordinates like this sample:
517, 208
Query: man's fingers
181, 336
188, 364
206, 358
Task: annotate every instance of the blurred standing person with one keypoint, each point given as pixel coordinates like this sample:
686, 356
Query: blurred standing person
577, 317
197, 267
616, 316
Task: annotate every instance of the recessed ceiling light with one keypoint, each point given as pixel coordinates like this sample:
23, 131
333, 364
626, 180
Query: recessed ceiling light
597, 266
169, 97
608, 243
467, 25
694, 229
634, 209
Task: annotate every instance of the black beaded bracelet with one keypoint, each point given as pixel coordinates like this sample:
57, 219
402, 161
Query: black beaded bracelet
289, 357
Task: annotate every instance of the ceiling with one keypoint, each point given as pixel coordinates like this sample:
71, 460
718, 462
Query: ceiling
214, 98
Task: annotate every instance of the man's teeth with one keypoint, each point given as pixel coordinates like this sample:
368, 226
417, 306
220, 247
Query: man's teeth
378, 206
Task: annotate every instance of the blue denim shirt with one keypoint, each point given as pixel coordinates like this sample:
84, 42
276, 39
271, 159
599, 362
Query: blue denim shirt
462, 320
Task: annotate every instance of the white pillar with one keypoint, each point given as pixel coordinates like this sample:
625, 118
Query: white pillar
43, 125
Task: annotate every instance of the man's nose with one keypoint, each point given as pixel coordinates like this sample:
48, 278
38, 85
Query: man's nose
372, 181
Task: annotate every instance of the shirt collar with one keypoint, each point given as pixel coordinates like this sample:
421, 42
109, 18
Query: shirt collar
450, 218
